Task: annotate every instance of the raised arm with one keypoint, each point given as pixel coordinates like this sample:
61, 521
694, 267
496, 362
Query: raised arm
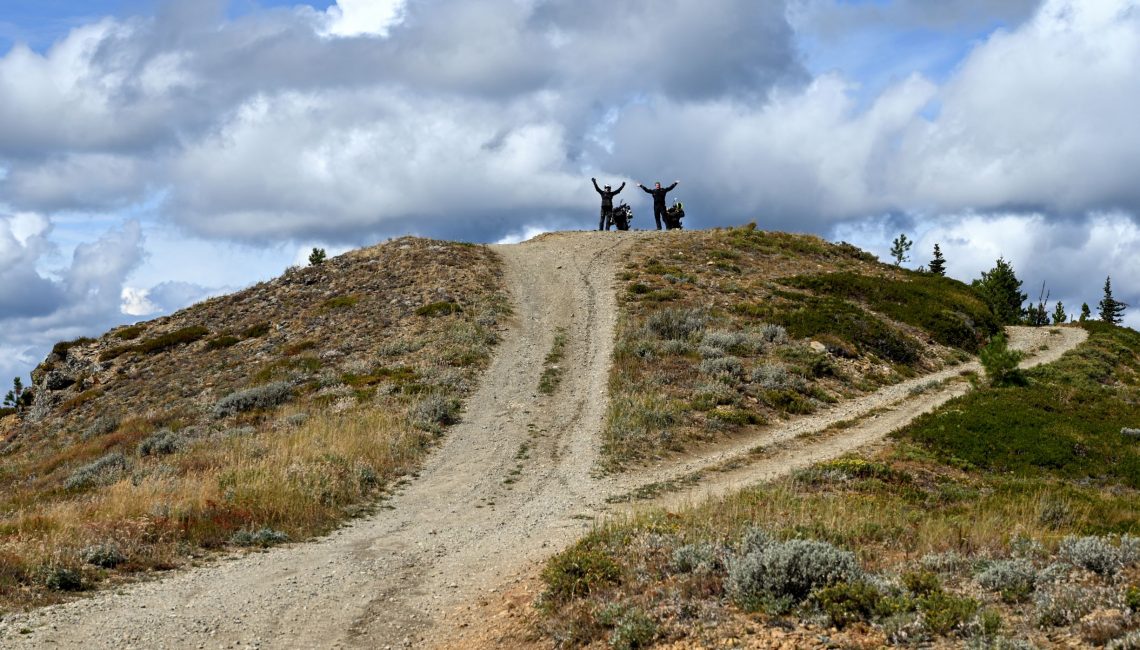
670, 188
596, 188
645, 189
620, 188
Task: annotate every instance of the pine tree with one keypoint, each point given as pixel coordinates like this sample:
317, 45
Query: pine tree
1111, 309
1001, 290
1001, 363
899, 248
1086, 313
1059, 315
938, 264
17, 397
317, 257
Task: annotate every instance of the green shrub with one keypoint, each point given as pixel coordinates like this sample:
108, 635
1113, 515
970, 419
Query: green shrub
129, 333
1132, 598
1066, 423
578, 572
1001, 363
62, 347
849, 602
811, 316
943, 612
224, 341
949, 310
173, 339
921, 583
339, 302
255, 331
436, 309
735, 417
258, 397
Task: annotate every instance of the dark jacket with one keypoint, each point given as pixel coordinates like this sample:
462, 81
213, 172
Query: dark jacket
608, 197
659, 195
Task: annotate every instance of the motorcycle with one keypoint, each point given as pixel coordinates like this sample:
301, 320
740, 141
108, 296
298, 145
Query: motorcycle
621, 217
673, 216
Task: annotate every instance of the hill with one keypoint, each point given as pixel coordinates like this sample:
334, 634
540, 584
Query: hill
636, 371
1008, 513
251, 418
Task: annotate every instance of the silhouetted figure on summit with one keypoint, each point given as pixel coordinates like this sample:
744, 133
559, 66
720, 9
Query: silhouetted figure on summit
658, 193
607, 203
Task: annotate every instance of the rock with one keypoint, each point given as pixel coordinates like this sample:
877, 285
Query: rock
56, 380
817, 346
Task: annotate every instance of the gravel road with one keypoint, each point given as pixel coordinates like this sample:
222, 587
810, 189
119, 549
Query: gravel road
508, 486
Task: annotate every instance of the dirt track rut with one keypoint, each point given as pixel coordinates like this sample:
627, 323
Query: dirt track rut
468, 522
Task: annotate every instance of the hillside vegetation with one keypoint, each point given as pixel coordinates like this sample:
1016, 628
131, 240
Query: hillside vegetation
1009, 517
726, 329
249, 419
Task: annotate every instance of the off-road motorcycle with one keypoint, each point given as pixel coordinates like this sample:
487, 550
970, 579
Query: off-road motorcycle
674, 215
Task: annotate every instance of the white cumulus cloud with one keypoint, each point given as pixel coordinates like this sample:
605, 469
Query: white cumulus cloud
349, 18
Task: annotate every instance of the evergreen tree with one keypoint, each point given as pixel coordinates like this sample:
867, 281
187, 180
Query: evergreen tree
1001, 290
1001, 363
1086, 313
938, 264
899, 249
17, 397
1111, 309
317, 257
1059, 315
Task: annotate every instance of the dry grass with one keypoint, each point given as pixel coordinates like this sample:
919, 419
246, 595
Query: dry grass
921, 514
713, 336
180, 480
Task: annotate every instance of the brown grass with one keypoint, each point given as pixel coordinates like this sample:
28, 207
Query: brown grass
301, 468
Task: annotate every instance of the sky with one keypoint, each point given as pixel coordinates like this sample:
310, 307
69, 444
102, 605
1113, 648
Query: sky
157, 152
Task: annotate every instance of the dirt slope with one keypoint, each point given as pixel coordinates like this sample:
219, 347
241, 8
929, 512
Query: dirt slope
509, 486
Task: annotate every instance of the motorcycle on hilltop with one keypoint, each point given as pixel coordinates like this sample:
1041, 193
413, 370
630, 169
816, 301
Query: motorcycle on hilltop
673, 216
621, 217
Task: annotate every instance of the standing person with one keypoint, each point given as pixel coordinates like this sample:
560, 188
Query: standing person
658, 193
607, 203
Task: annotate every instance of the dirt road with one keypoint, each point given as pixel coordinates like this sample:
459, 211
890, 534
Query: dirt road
508, 486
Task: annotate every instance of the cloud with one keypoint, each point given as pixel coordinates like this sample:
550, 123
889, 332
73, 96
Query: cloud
23, 292
483, 120
282, 160
78, 181
1071, 256
37, 310
349, 18
163, 298
1041, 117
